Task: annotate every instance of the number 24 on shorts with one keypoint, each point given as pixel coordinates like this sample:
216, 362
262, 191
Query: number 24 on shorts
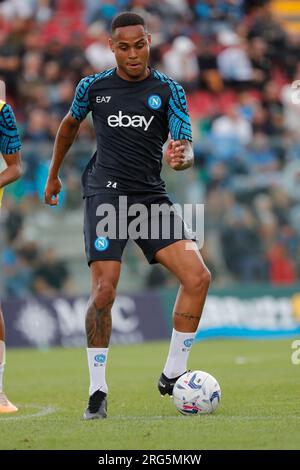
111, 184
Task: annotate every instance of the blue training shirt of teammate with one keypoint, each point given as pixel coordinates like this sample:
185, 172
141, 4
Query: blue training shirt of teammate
132, 121
9, 135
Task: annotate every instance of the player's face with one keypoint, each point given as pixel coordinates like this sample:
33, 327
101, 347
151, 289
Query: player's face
131, 46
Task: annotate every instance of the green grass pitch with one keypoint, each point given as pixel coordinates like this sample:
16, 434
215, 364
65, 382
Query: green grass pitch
260, 406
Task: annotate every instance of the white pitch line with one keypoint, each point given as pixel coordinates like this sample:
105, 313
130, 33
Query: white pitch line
46, 410
43, 411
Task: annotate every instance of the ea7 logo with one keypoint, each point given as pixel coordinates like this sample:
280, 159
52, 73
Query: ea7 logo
103, 99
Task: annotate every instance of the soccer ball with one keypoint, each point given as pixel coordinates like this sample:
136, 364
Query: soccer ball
196, 392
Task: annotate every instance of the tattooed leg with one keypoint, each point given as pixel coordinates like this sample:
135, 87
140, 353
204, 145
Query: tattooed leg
98, 325
189, 305
194, 278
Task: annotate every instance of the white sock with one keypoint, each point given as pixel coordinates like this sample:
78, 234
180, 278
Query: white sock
2, 362
97, 358
179, 351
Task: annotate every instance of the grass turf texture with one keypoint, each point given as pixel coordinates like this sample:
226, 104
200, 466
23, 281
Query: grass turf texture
259, 407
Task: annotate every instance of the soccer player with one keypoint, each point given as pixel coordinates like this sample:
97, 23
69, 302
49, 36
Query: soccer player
134, 108
10, 146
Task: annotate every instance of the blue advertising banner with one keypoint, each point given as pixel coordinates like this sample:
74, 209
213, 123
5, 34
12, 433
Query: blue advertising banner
37, 322
253, 312
256, 317
257, 313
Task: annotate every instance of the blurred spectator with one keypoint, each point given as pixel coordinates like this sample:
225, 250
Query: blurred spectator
291, 54
232, 126
291, 180
10, 60
98, 53
36, 129
242, 248
207, 61
102, 10
261, 64
282, 267
233, 62
264, 25
217, 15
51, 275
12, 8
13, 223
180, 62
272, 104
291, 106
261, 158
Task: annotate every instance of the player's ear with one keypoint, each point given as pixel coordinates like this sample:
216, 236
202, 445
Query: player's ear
149, 37
111, 44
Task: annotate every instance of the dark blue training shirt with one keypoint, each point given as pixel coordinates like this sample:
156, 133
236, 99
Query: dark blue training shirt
132, 121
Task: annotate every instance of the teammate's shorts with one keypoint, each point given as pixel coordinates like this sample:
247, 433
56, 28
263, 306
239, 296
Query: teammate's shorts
110, 220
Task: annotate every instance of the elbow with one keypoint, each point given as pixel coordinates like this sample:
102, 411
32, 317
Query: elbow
71, 123
69, 127
17, 172
20, 172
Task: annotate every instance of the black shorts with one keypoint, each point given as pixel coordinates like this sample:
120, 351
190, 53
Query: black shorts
108, 228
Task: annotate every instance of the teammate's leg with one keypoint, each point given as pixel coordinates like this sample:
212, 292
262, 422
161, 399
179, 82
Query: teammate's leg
194, 278
2, 350
5, 405
98, 323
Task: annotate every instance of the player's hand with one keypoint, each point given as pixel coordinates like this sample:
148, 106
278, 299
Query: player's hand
52, 189
175, 154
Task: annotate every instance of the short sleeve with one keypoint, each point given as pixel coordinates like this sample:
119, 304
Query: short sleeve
9, 136
178, 116
80, 106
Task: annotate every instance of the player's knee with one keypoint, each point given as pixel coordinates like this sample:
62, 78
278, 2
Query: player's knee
103, 293
206, 277
198, 281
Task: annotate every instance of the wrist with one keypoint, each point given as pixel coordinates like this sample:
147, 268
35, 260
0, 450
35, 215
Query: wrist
53, 175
